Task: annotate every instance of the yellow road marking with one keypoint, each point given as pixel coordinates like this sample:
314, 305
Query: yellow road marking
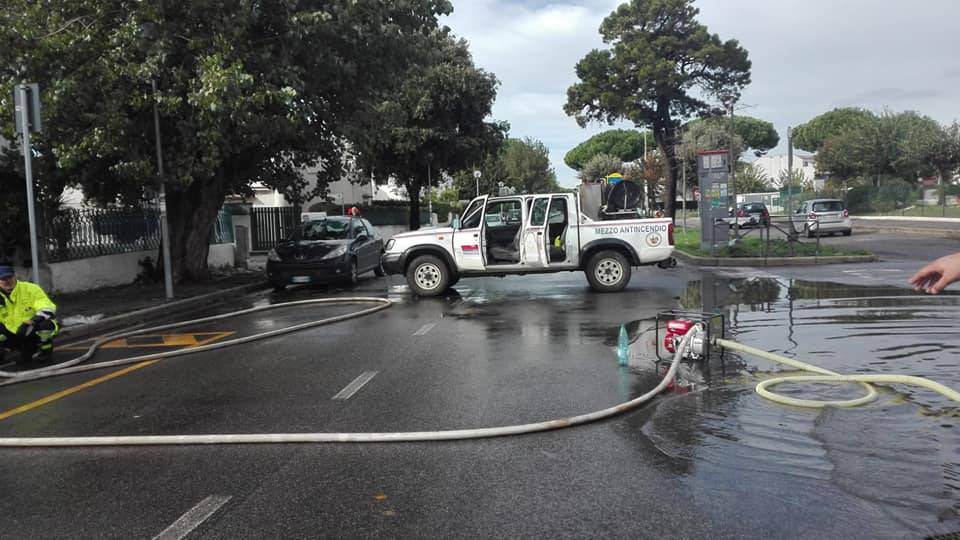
154, 341
119, 373
64, 393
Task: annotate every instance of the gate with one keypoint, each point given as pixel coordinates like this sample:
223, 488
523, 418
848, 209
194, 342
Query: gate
269, 225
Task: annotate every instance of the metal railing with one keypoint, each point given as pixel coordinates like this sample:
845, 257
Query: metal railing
92, 232
80, 233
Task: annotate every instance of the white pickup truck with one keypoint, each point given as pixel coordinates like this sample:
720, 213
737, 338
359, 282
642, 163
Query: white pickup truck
529, 234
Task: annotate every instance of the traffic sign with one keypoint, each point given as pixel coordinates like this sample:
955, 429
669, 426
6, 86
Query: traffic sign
33, 107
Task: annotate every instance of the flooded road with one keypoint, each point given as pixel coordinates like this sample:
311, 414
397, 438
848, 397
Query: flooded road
894, 461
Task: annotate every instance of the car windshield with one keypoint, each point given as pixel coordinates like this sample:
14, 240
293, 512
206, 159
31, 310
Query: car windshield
325, 229
828, 206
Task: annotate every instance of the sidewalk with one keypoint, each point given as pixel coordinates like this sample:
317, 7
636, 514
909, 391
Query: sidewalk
928, 226
100, 310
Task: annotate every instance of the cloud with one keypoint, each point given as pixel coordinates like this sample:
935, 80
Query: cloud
808, 56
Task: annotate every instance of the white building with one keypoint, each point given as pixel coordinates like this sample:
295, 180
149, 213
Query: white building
774, 166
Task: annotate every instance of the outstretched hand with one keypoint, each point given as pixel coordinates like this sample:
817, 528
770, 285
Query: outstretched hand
935, 276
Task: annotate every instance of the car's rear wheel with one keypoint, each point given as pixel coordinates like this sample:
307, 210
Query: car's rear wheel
608, 271
428, 276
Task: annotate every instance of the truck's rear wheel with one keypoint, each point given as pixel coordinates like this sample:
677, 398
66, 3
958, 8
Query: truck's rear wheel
608, 271
428, 276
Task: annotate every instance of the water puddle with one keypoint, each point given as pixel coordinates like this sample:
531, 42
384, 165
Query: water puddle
886, 469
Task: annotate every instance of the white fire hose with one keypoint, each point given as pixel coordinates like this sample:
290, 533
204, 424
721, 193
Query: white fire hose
275, 438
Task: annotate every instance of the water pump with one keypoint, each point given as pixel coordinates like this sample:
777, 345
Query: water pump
675, 325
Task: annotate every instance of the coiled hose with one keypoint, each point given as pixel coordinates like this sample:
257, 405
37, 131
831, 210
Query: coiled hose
827, 376
275, 438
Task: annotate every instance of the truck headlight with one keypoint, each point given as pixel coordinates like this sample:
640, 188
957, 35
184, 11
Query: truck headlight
273, 256
340, 251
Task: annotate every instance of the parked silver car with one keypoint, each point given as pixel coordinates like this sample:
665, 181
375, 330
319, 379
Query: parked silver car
823, 216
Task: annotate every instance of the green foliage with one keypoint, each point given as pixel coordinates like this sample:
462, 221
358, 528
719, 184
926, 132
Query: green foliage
708, 135
626, 144
599, 167
522, 164
660, 65
812, 135
436, 117
247, 91
751, 179
892, 144
753, 133
527, 167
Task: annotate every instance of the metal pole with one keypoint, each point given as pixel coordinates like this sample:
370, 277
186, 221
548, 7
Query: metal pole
733, 174
373, 188
789, 170
683, 197
28, 173
429, 195
164, 227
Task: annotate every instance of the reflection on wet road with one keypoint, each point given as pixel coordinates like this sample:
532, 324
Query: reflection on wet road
896, 459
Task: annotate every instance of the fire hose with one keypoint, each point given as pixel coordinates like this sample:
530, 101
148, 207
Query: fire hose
275, 438
827, 376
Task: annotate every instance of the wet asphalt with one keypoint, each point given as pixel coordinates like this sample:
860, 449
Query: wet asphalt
494, 352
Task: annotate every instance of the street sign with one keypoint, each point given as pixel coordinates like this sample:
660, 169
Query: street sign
34, 122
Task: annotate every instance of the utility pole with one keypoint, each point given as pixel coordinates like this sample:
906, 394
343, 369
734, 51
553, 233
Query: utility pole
164, 226
789, 170
733, 172
26, 94
429, 195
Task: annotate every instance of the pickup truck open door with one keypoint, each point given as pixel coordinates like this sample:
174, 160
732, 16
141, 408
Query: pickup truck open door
468, 249
534, 234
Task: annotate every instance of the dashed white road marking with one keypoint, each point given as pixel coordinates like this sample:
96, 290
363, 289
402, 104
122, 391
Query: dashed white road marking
193, 518
355, 386
424, 329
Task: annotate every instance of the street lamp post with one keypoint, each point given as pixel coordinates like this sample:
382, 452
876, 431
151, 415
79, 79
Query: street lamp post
164, 227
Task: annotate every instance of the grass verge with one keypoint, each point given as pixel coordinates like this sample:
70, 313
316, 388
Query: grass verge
689, 243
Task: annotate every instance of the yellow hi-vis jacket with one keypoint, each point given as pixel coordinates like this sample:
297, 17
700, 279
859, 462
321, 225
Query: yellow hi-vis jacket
26, 300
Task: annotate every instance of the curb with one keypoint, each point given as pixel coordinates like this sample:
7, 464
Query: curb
936, 233
186, 304
772, 261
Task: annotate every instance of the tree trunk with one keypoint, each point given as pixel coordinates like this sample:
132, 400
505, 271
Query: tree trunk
413, 190
192, 212
665, 135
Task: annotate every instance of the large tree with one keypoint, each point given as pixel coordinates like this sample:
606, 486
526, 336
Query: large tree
661, 67
812, 135
435, 121
886, 145
626, 144
754, 134
248, 91
521, 164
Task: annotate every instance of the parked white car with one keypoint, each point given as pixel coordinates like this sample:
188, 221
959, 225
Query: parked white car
823, 216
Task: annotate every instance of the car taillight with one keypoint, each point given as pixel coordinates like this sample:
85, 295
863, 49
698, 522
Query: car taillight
846, 213
670, 234
811, 216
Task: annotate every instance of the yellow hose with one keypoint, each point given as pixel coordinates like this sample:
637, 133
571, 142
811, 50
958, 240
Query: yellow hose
827, 376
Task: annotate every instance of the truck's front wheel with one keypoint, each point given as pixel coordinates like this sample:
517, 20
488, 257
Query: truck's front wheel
428, 276
608, 271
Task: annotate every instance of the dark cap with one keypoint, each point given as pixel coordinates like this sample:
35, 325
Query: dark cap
6, 271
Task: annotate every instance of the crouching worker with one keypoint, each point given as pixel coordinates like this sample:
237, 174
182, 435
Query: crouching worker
28, 321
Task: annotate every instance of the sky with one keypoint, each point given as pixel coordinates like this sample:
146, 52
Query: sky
808, 57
